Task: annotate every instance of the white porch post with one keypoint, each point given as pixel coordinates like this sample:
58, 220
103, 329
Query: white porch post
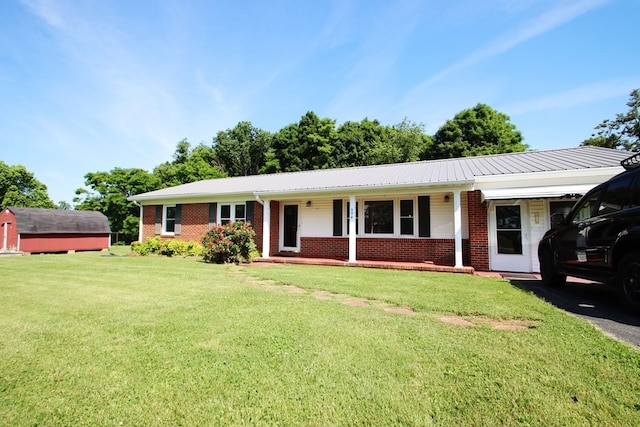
457, 225
266, 228
352, 229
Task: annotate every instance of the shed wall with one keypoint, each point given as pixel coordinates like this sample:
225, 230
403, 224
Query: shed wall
8, 225
63, 242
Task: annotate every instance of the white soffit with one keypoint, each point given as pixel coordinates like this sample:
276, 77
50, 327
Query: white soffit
535, 192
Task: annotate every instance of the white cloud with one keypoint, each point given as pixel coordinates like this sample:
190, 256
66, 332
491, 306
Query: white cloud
534, 28
579, 96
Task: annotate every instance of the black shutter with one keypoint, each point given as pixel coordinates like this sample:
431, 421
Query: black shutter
424, 216
337, 217
178, 227
250, 211
158, 222
213, 214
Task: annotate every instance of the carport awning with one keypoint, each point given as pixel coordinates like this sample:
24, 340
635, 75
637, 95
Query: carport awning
535, 192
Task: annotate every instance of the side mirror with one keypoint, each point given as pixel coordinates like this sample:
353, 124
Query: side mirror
556, 220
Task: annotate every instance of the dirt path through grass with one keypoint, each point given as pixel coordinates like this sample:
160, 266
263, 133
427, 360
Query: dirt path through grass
352, 301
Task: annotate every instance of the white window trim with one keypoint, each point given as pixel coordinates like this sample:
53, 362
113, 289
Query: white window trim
232, 211
360, 201
164, 221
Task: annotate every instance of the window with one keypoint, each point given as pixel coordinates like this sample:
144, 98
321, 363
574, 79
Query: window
406, 217
169, 220
232, 212
378, 217
617, 197
509, 230
587, 208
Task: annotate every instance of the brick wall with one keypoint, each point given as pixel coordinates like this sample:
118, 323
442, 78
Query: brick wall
438, 251
194, 221
275, 228
478, 231
148, 221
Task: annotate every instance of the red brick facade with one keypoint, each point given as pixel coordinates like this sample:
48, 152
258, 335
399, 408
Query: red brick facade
478, 231
194, 223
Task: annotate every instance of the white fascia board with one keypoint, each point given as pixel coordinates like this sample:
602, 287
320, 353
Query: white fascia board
438, 187
192, 198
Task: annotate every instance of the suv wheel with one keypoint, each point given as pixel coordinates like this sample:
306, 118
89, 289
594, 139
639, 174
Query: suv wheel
628, 280
548, 270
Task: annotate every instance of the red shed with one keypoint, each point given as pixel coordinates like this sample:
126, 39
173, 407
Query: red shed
53, 230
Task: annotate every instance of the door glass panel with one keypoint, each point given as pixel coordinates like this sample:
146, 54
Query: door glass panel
290, 226
509, 230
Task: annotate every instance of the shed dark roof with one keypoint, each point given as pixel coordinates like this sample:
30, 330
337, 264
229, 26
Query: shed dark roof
59, 221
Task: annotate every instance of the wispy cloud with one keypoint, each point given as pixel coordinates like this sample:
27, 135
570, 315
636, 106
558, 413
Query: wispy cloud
579, 96
533, 28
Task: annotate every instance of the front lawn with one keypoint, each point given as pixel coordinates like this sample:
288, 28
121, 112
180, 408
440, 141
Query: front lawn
89, 339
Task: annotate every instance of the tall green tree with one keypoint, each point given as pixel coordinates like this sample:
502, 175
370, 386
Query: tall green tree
241, 151
188, 165
623, 132
404, 142
306, 145
19, 187
107, 192
359, 143
476, 131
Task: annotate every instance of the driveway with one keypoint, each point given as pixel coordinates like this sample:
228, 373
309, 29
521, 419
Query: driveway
597, 303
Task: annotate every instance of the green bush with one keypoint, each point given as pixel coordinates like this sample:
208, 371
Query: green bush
169, 247
229, 243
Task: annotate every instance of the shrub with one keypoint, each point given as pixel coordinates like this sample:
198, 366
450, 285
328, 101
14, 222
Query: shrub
229, 243
171, 247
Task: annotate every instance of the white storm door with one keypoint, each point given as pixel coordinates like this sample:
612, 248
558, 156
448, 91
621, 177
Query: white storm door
509, 237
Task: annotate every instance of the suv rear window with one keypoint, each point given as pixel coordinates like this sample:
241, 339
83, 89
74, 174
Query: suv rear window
617, 197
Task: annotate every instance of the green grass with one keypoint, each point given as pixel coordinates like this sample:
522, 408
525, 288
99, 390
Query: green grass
88, 339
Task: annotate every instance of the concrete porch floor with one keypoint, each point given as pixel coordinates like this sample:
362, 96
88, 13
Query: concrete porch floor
389, 265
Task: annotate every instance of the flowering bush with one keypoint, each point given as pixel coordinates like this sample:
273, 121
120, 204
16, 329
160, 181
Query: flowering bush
229, 243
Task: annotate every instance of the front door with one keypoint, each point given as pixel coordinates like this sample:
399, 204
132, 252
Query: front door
290, 227
509, 237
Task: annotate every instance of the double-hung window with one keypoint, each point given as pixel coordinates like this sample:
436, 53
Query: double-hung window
233, 212
406, 217
169, 220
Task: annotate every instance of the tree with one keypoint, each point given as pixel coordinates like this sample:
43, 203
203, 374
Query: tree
476, 131
404, 142
241, 151
19, 187
305, 145
623, 132
356, 143
188, 165
107, 193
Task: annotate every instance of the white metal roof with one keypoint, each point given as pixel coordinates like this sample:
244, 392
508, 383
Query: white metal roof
431, 173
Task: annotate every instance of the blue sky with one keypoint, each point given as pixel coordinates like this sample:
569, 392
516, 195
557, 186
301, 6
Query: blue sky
87, 86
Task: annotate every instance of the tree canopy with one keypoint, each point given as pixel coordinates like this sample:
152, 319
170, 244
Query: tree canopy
623, 132
477, 131
19, 187
107, 193
188, 165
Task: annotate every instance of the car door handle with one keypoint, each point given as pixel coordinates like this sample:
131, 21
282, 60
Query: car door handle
581, 226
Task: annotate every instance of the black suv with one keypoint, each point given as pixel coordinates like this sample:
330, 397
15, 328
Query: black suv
599, 239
